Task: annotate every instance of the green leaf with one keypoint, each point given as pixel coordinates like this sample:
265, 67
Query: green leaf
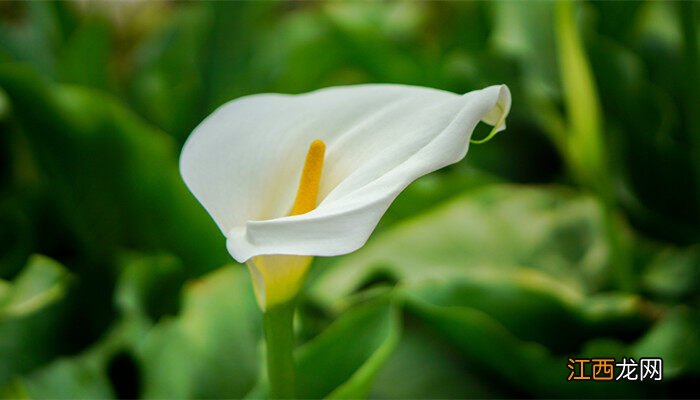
498, 228
673, 274
534, 307
485, 341
86, 54
149, 286
530, 259
99, 371
529, 304
43, 282
115, 180
343, 361
424, 366
94, 373
674, 338
528, 366
209, 350
71, 378
430, 191
30, 309
585, 145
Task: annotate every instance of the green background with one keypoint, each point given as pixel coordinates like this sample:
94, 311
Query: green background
572, 234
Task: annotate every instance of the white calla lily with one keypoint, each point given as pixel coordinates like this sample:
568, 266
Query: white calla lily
244, 164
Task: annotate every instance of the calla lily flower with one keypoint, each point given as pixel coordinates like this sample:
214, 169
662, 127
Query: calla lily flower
288, 177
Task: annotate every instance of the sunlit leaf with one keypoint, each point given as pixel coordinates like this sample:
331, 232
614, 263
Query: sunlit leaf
585, 145
30, 310
494, 230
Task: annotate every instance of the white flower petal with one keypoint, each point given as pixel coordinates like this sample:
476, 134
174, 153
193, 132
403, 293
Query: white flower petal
244, 161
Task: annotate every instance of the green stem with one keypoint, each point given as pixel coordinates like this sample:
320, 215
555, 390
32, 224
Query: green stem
279, 335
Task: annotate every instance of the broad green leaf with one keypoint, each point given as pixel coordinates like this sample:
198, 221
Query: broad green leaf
431, 191
529, 304
496, 229
676, 339
525, 365
43, 282
424, 366
90, 373
94, 373
673, 273
209, 350
71, 378
30, 310
343, 361
115, 179
427, 193
528, 258
536, 308
486, 342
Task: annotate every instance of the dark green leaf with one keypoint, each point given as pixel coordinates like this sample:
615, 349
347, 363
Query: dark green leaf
209, 350
343, 361
114, 178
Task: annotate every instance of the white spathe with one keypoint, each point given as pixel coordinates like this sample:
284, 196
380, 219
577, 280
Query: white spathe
244, 161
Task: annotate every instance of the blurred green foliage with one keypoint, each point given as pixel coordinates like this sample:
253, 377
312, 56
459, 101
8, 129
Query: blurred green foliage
574, 233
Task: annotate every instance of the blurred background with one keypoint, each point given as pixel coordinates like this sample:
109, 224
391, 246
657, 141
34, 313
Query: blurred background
574, 233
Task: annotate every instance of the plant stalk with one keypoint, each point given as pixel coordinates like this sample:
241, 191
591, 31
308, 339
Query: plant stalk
279, 334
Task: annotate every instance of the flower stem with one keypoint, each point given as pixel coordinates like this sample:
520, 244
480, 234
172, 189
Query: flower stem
279, 335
